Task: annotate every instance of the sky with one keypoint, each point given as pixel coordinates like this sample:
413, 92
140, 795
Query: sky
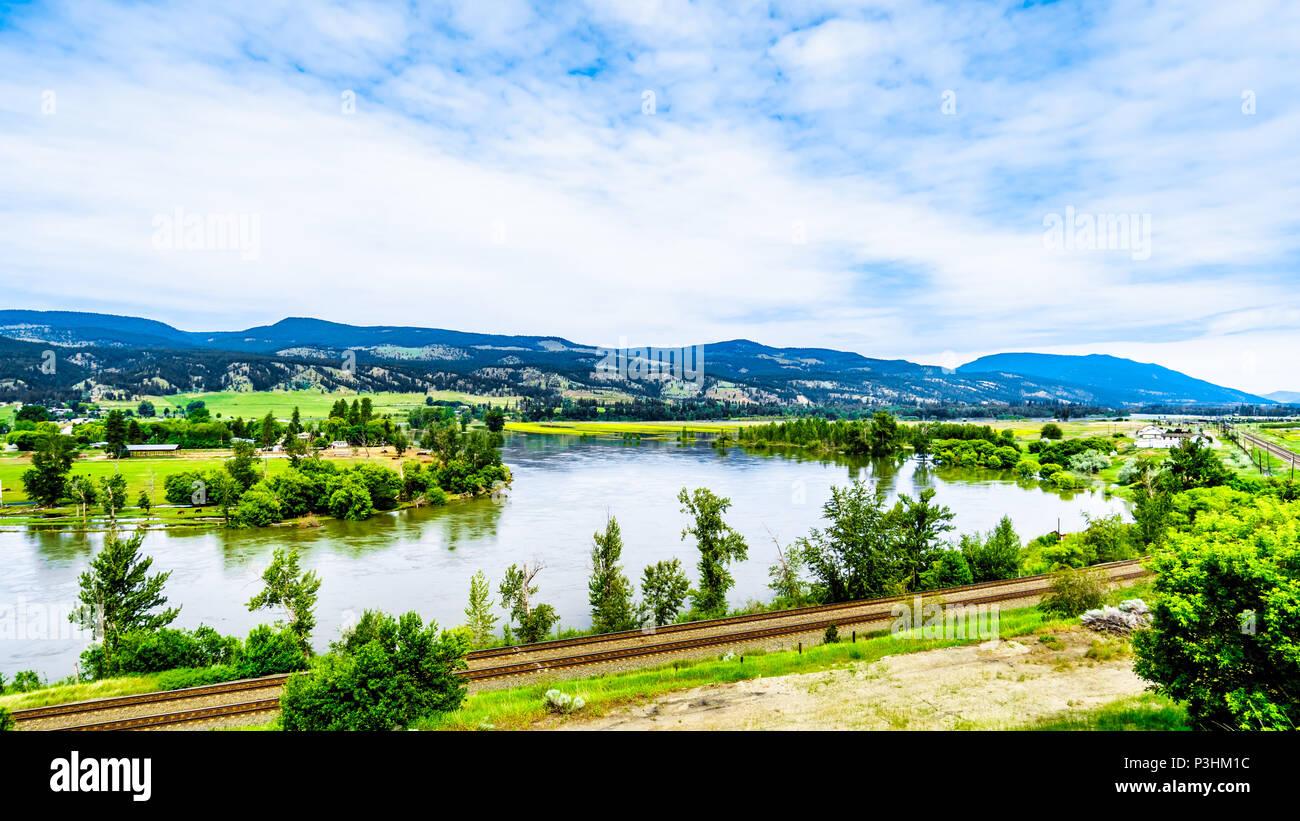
902, 179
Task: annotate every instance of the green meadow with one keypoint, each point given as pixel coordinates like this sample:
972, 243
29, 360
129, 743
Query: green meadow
311, 404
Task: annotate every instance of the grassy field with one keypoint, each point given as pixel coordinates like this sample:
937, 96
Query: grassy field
622, 428
522, 707
149, 473
1145, 712
311, 404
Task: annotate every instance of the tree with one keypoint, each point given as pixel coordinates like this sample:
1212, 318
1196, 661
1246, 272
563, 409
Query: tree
949, 570
609, 590
145, 409
480, 619
719, 545
112, 494
517, 589
242, 465
143, 501
295, 422
884, 435
119, 596
1193, 464
785, 575
916, 525
1226, 620
997, 557
852, 558
664, 588
400, 442
115, 433
83, 491
294, 448
495, 420
387, 673
293, 590
46, 480
1052, 431
267, 432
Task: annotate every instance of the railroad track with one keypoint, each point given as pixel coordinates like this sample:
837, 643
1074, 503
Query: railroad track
1272, 449
179, 708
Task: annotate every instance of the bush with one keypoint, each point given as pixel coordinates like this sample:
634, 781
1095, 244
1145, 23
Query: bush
1052, 431
6, 720
387, 676
157, 650
832, 635
1074, 591
268, 652
1090, 461
1226, 620
351, 499
258, 507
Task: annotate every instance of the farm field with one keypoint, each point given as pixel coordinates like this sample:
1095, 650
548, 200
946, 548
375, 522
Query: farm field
148, 474
311, 404
620, 428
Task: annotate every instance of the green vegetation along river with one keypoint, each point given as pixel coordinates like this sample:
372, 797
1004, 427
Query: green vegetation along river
564, 487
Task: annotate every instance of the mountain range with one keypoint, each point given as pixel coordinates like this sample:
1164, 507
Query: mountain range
66, 353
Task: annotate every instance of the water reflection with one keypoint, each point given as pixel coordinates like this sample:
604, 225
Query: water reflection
564, 488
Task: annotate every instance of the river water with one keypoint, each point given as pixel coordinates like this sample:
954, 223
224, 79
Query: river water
564, 487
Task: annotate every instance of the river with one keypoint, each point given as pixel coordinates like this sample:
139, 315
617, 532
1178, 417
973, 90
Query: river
564, 487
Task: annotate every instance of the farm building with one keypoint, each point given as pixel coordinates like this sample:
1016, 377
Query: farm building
134, 449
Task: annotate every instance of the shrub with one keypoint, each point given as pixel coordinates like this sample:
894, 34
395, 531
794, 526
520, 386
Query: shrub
196, 677
1026, 468
258, 507
6, 720
394, 672
832, 635
563, 703
1052, 431
269, 651
1227, 617
1090, 461
350, 499
152, 651
1074, 591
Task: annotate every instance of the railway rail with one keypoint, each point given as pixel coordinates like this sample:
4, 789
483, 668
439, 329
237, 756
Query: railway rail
197, 705
1272, 448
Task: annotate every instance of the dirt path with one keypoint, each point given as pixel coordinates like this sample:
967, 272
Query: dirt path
1006, 684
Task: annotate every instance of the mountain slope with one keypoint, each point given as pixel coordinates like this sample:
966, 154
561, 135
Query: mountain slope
1112, 376
132, 355
1289, 397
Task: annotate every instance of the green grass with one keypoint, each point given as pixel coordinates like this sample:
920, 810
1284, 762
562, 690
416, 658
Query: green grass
63, 693
1145, 712
148, 473
521, 707
311, 404
621, 428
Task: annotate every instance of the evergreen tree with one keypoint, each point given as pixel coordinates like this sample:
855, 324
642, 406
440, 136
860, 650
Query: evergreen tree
610, 592
115, 433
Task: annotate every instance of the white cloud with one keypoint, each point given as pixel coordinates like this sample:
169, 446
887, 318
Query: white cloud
924, 232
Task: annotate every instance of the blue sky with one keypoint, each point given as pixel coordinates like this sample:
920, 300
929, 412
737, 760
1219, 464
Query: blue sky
870, 177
